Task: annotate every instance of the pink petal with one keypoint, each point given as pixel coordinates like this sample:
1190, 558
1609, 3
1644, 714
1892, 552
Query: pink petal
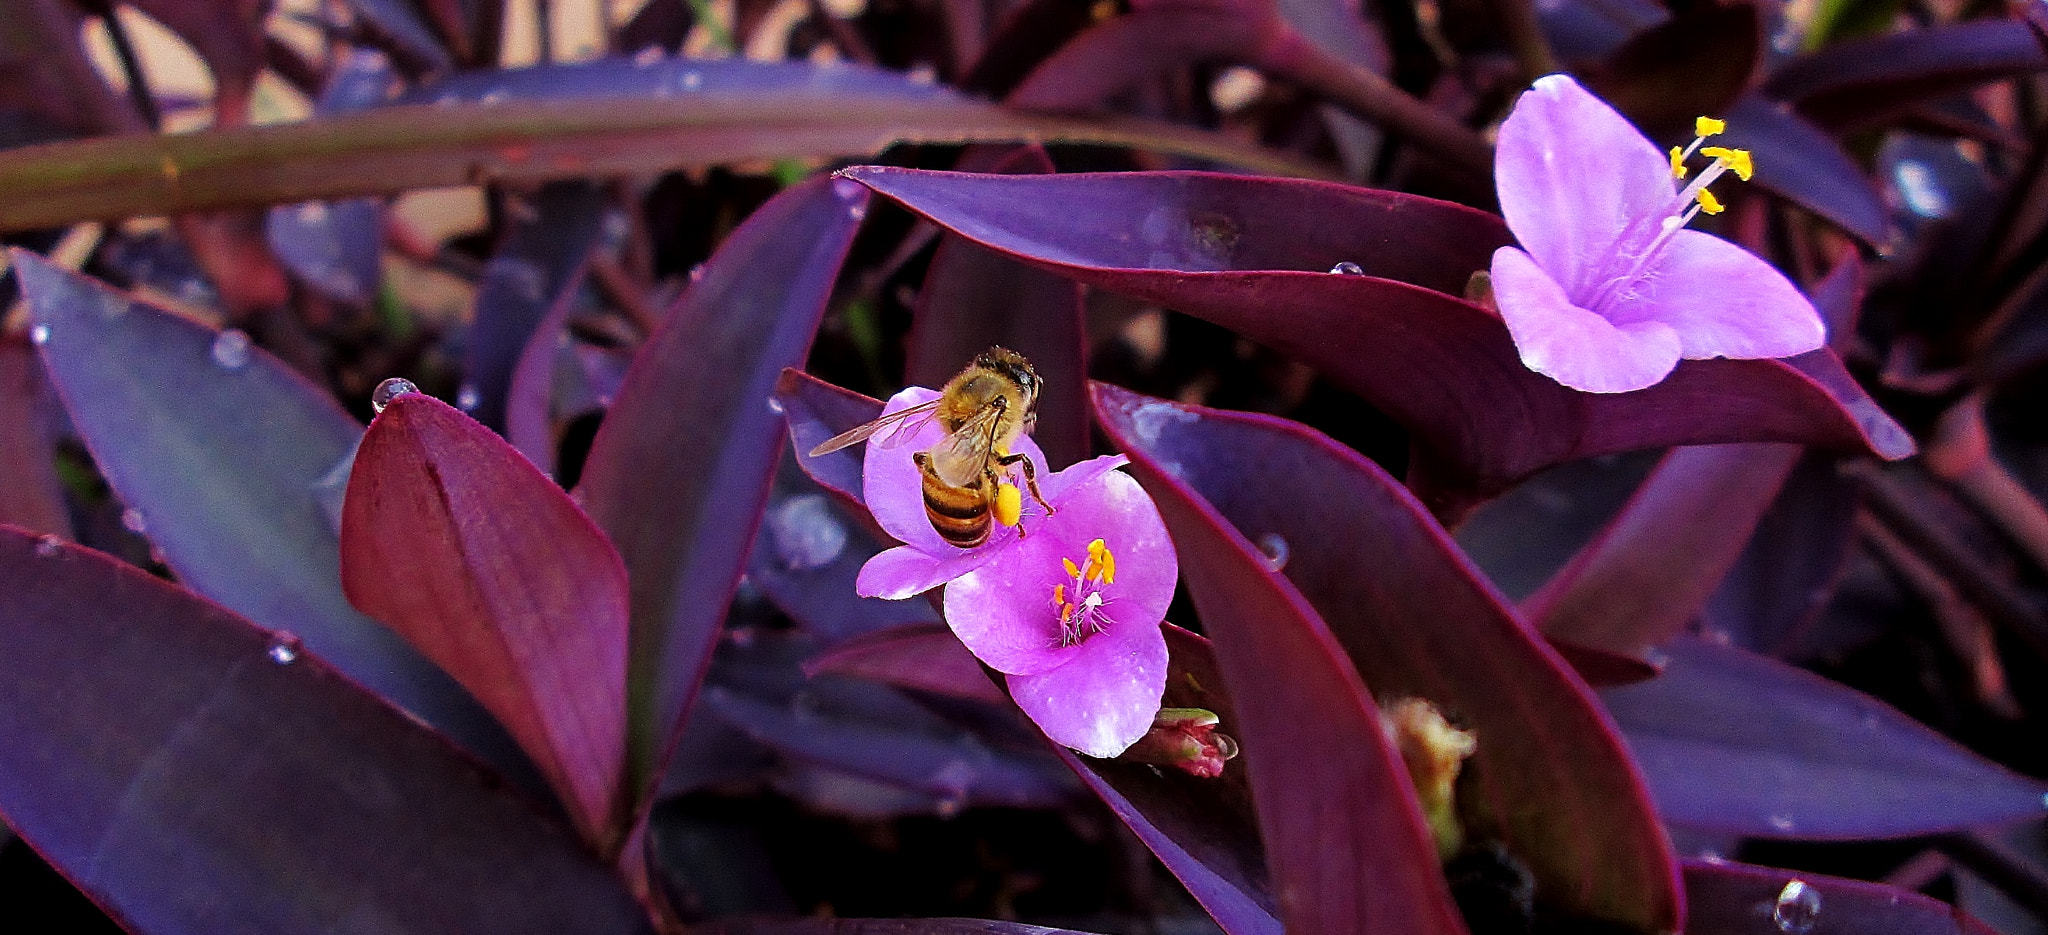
1723, 301
1575, 178
1104, 698
904, 571
894, 488
1571, 345
1004, 610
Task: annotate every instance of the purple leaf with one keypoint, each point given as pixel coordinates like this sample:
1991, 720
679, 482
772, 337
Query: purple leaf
216, 779
974, 297
1738, 899
538, 259
1232, 250
1420, 623
1693, 64
816, 411
1652, 569
1803, 164
1859, 82
30, 495
809, 554
924, 656
1117, 54
1203, 830
680, 471
879, 927
1789, 570
671, 78
396, 27
332, 246
530, 393
455, 540
1732, 741
222, 464
1321, 766
228, 35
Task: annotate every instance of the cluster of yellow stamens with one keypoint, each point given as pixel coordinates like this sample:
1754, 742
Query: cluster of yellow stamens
1080, 610
1725, 160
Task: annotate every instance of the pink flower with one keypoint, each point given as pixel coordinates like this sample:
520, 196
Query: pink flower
1068, 609
1609, 290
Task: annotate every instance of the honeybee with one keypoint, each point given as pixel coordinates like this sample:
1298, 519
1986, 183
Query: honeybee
984, 410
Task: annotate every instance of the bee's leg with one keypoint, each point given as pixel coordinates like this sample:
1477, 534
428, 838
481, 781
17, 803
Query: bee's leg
1030, 477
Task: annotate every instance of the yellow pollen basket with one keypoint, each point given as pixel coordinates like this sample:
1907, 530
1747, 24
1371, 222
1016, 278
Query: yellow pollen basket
1009, 505
1737, 160
1707, 126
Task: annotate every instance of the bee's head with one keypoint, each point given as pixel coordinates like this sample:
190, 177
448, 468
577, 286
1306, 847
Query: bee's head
1013, 365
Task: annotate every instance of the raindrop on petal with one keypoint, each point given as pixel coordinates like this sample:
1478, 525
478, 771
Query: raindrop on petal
1797, 908
1348, 268
133, 521
231, 349
48, 546
1273, 551
284, 648
807, 535
39, 334
389, 390
774, 405
467, 398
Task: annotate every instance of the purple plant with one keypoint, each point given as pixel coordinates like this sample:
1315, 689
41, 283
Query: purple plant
1348, 599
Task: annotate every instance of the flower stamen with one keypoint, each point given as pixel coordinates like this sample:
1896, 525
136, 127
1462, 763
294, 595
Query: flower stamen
1079, 601
1691, 200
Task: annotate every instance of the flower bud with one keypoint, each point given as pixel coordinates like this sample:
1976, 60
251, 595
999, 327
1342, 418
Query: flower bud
1185, 739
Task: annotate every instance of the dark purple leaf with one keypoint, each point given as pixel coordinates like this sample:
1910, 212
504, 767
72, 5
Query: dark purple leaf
455, 540
195, 774
974, 297
924, 656
1789, 570
228, 35
1341, 28
816, 411
1591, 29
53, 91
1418, 621
948, 763
1696, 63
1801, 163
396, 26
1523, 537
1651, 570
222, 464
1232, 249
879, 927
1119, 53
1737, 899
1862, 81
30, 496
533, 265
332, 246
809, 552
1737, 742
680, 471
1321, 766
1203, 830
530, 394
671, 77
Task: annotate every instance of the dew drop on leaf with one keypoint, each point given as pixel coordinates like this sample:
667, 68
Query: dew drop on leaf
467, 398
39, 334
1797, 908
284, 648
1348, 268
389, 390
132, 520
231, 349
1273, 551
805, 532
48, 546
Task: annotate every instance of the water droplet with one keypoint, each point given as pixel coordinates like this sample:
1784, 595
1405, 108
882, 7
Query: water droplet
133, 521
39, 334
691, 81
854, 194
774, 405
284, 648
1780, 822
1797, 908
951, 806
467, 398
696, 272
231, 349
49, 546
1348, 268
494, 96
312, 212
649, 57
807, 534
1274, 550
1919, 189
389, 390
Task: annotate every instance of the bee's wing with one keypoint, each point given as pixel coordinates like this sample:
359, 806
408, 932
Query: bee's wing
904, 419
963, 455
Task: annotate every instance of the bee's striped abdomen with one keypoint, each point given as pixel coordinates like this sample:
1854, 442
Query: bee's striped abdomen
960, 514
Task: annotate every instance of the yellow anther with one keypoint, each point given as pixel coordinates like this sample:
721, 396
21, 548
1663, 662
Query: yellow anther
1677, 163
1707, 126
1737, 160
1009, 504
1096, 548
1066, 613
1709, 203
1059, 595
1108, 567
1073, 571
